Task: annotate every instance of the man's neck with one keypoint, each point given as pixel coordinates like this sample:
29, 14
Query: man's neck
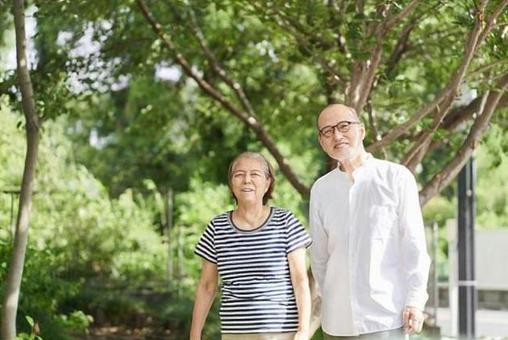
350, 165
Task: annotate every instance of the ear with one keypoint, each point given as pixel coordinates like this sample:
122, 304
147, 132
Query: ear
320, 140
268, 184
270, 179
362, 129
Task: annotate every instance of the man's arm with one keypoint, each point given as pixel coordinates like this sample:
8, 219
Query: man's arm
416, 261
319, 247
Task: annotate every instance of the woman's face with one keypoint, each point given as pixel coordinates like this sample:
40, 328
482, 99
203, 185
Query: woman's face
249, 181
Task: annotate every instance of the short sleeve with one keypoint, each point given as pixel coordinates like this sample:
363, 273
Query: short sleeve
297, 236
206, 244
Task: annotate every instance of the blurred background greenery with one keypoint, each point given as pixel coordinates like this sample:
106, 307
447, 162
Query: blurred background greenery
133, 156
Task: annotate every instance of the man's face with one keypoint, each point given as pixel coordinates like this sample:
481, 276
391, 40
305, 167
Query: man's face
341, 133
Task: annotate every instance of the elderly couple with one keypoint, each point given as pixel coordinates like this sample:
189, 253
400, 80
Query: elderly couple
368, 251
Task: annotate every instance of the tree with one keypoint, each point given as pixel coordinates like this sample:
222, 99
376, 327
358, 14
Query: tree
259, 71
32, 126
360, 53
406, 66
358, 50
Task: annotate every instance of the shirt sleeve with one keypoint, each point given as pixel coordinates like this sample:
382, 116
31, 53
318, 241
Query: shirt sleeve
297, 236
206, 244
319, 249
416, 261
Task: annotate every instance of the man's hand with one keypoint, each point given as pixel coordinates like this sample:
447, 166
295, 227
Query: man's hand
412, 319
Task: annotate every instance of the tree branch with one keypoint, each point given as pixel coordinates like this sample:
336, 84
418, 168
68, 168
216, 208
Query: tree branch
362, 86
418, 151
250, 121
333, 18
300, 35
400, 47
219, 70
402, 44
366, 83
456, 117
450, 171
444, 99
482, 69
373, 124
492, 20
391, 22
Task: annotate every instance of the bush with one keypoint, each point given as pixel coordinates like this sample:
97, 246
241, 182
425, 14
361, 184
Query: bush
79, 236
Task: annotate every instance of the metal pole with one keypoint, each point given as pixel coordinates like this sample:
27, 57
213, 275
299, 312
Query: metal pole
466, 220
453, 276
435, 236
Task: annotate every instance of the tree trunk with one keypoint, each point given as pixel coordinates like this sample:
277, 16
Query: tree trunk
15, 270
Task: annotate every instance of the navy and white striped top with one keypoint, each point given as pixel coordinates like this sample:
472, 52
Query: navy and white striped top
257, 295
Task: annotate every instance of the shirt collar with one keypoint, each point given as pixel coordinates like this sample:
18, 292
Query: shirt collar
366, 162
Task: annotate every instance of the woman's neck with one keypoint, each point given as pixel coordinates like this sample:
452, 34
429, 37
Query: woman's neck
250, 216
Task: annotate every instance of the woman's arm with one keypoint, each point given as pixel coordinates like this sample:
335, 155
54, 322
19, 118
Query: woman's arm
300, 283
205, 294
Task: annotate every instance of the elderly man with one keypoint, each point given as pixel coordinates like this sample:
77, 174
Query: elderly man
369, 253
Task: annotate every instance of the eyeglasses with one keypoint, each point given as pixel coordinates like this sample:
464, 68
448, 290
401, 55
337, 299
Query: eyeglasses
343, 126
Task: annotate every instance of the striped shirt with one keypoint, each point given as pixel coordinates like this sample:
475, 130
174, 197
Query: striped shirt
257, 295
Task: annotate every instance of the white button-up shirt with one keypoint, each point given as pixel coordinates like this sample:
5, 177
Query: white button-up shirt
369, 252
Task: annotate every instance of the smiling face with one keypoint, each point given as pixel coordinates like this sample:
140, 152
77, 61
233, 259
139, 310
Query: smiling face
249, 180
341, 145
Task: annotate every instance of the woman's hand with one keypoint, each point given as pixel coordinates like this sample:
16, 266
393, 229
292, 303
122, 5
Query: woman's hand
302, 335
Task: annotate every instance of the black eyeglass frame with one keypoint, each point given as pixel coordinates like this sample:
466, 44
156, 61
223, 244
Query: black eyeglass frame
332, 128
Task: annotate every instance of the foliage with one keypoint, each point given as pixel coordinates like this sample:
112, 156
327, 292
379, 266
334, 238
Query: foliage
41, 291
79, 236
32, 336
126, 125
491, 208
439, 210
492, 186
77, 322
491, 169
286, 58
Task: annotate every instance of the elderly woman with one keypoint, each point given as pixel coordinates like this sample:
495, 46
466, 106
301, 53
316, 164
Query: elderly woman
259, 253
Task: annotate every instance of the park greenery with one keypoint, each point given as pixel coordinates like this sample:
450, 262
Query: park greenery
143, 104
